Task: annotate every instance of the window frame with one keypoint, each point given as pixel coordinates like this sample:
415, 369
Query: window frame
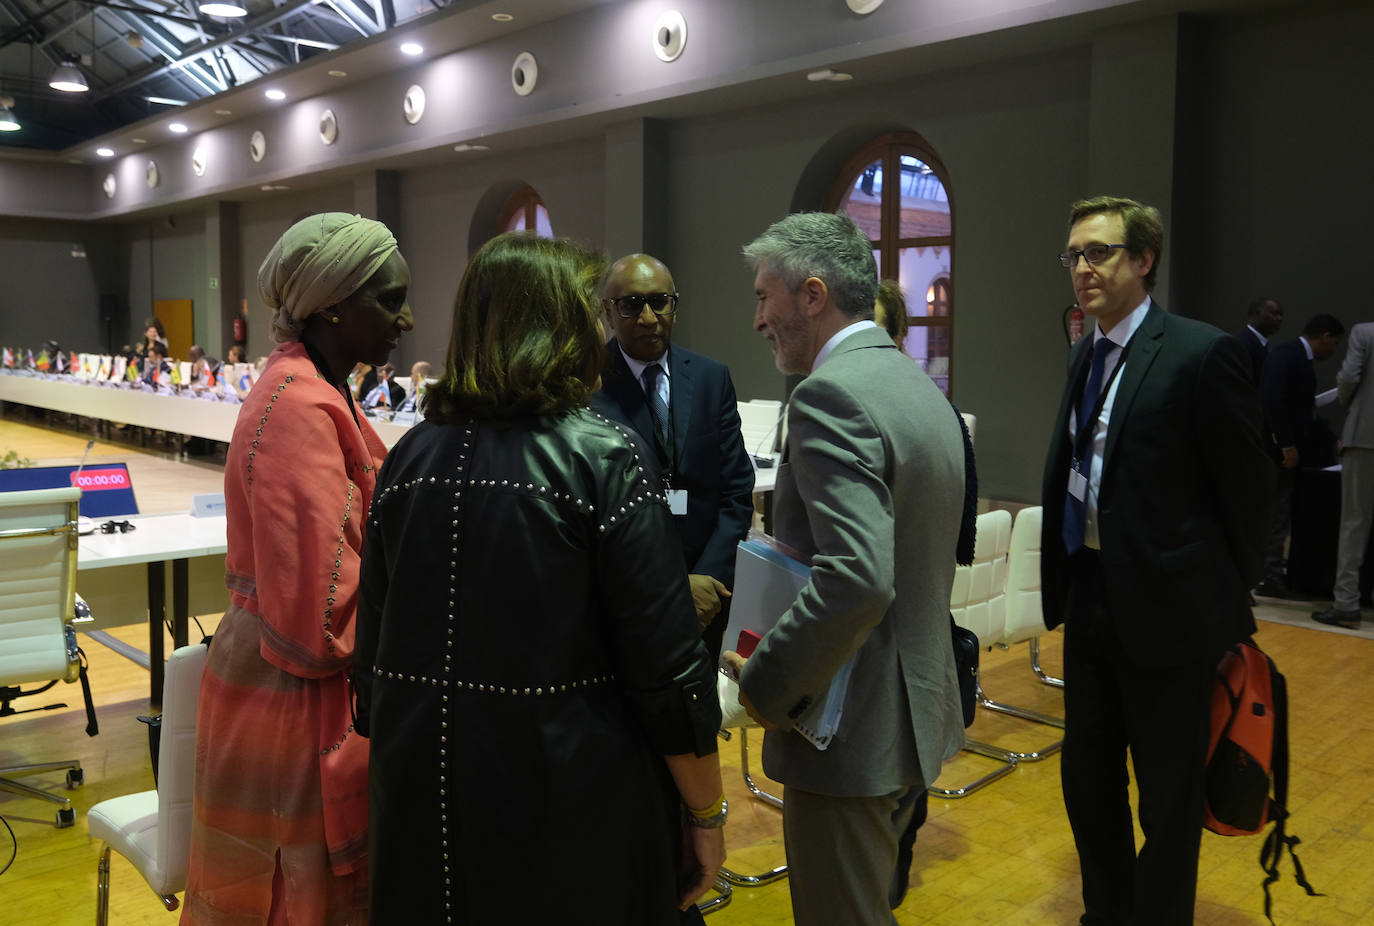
888, 149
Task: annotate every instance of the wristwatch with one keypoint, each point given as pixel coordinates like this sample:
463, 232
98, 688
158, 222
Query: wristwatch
707, 823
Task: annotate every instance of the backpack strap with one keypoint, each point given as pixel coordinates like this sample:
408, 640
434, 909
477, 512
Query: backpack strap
1277, 840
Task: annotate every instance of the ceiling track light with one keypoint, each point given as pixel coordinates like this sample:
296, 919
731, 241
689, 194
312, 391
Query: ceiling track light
68, 78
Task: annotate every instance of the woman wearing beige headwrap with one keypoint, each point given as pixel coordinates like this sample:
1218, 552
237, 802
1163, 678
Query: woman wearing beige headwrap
280, 816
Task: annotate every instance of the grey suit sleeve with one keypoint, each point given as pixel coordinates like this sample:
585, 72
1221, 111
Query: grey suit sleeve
837, 458
1352, 368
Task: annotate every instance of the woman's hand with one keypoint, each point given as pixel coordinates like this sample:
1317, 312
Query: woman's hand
703, 852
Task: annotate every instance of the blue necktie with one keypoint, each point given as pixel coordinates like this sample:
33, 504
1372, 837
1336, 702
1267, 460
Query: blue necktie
658, 409
1075, 510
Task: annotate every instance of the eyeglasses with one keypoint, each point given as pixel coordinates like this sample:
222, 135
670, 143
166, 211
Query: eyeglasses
123, 527
1093, 254
633, 306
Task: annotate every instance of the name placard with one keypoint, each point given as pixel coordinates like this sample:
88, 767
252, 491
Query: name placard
210, 505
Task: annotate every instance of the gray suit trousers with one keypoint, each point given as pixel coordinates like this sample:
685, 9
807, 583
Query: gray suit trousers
842, 854
1357, 514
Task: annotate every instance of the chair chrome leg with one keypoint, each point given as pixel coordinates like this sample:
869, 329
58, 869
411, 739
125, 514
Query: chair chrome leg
1035, 665
758, 880
169, 901
102, 888
722, 899
1025, 714
1007, 759
748, 778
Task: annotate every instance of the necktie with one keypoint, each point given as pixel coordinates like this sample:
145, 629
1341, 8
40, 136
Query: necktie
1076, 510
658, 408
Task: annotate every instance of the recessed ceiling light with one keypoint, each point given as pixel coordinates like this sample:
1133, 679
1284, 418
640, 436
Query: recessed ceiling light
105, 152
466, 147
828, 74
338, 73
224, 112
502, 17
139, 141
412, 48
275, 94
272, 187
177, 127
165, 100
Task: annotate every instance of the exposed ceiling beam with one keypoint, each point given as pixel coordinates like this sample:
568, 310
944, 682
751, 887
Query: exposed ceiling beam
285, 11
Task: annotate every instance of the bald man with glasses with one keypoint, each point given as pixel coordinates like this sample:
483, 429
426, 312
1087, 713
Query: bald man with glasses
682, 406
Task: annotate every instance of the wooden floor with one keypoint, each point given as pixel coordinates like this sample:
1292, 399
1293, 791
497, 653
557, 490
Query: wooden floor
1002, 855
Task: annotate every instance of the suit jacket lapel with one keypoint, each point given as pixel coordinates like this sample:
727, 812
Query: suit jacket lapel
620, 383
681, 387
1144, 348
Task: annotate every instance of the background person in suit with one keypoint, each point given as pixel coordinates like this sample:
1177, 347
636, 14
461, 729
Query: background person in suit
693, 429
1154, 523
1262, 322
867, 483
1288, 389
1357, 475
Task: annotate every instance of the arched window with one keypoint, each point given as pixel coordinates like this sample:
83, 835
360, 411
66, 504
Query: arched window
525, 210
897, 191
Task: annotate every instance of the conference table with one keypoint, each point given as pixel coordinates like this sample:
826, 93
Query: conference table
179, 413
157, 539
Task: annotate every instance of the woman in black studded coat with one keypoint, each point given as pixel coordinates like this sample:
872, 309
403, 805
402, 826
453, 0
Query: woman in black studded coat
528, 666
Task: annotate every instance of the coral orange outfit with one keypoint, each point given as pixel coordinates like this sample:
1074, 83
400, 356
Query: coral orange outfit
280, 828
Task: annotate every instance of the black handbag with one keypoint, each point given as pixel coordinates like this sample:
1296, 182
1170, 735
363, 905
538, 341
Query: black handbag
966, 666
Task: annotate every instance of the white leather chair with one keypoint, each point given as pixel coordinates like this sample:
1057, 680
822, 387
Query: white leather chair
38, 545
1024, 616
758, 419
978, 602
152, 829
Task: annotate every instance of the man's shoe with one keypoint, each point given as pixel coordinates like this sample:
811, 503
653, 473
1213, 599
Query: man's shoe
1274, 588
1338, 618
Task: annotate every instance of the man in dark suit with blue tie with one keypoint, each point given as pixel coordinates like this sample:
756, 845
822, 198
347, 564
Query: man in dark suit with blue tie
682, 405
1156, 499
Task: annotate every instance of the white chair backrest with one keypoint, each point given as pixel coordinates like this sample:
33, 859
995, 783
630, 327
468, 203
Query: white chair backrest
758, 422
979, 598
971, 422
176, 764
37, 582
1025, 616
403, 382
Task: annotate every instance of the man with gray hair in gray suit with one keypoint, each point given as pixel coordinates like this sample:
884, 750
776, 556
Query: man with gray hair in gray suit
871, 490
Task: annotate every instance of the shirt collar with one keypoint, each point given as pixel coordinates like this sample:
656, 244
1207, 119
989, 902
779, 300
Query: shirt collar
1262, 339
1306, 346
837, 337
637, 366
1122, 331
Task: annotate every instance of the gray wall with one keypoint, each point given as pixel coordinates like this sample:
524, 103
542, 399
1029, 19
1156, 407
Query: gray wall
446, 215
731, 176
54, 273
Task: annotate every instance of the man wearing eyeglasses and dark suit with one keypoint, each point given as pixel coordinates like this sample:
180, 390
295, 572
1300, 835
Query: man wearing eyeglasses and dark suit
1156, 506
682, 405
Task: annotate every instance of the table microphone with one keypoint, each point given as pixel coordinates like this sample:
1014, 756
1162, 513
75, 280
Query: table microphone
89, 444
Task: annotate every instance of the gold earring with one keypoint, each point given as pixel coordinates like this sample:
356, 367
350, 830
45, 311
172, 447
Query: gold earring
334, 319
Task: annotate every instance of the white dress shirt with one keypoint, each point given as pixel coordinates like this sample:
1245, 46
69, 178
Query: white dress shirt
1120, 335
